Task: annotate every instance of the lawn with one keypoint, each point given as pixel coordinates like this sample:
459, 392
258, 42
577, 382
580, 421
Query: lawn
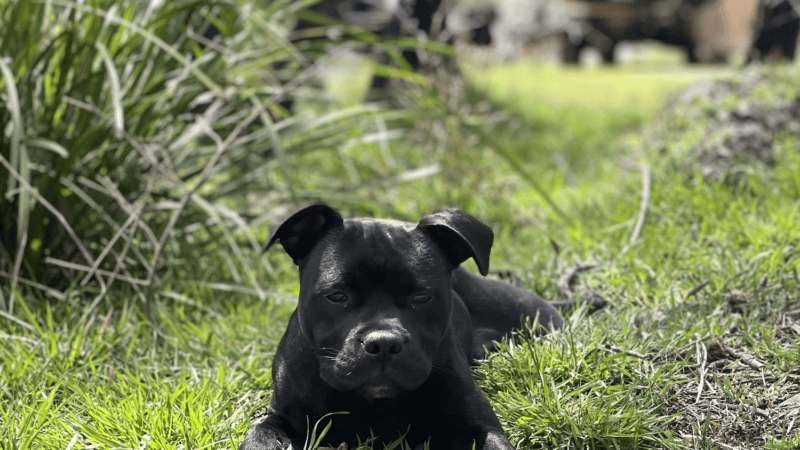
698, 348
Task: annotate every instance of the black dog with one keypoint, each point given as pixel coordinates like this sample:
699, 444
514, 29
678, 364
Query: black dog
386, 328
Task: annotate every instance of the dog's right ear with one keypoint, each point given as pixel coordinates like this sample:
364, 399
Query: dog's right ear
300, 232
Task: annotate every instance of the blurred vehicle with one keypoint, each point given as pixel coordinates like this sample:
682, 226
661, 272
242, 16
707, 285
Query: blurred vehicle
776, 31
472, 21
709, 30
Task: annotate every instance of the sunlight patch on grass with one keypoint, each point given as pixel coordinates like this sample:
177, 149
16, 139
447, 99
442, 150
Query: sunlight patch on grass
640, 89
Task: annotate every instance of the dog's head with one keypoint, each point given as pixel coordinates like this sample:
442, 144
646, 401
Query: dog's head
375, 295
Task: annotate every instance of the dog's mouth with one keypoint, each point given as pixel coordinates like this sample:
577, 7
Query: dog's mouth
371, 383
379, 390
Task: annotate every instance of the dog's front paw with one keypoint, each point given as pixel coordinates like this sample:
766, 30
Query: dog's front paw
496, 440
263, 436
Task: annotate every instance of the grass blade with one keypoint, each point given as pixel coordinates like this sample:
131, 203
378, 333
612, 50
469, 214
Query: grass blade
18, 157
519, 167
116, 91
47, 144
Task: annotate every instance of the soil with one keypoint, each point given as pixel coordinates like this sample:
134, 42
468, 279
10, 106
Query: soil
740, 404
736, 137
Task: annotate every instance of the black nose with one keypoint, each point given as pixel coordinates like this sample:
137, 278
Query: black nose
385, 344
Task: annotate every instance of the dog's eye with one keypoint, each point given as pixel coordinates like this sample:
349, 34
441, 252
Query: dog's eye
422, 299
337, 297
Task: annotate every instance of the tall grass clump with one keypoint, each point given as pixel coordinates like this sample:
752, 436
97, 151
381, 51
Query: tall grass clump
138, 147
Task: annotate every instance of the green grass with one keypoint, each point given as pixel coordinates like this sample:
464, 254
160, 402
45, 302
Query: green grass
635, 90
73, 378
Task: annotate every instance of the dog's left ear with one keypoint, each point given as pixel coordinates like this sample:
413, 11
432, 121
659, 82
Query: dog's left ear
460, 237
